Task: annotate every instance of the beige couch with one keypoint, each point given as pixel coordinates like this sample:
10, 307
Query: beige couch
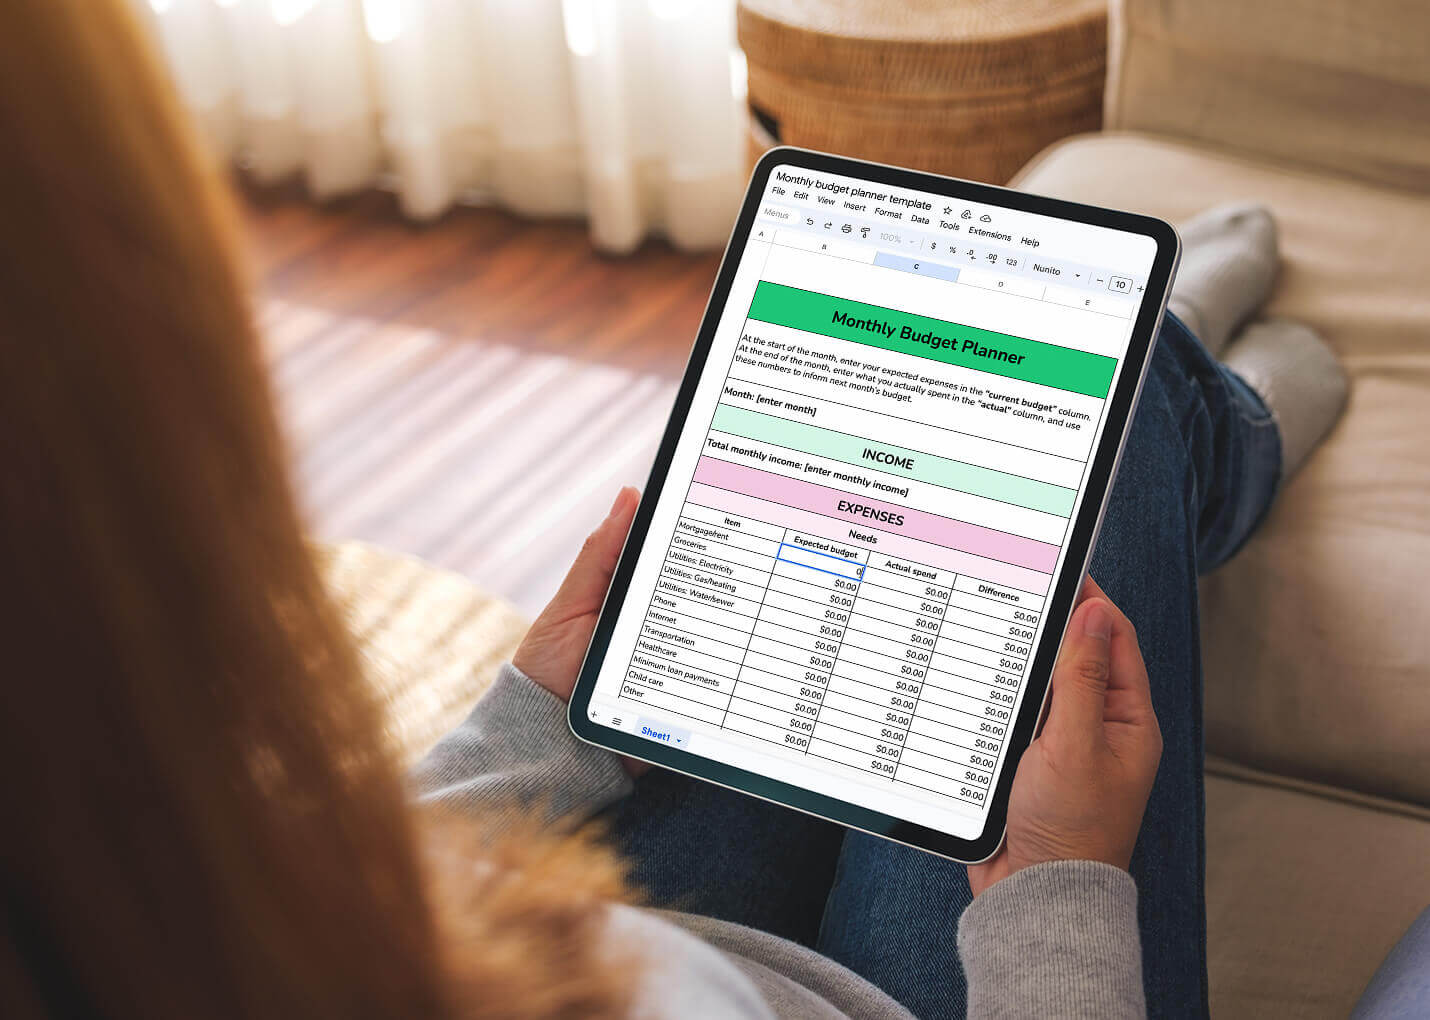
1317, 636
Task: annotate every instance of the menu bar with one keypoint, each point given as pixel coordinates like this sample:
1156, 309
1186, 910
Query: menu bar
934, 224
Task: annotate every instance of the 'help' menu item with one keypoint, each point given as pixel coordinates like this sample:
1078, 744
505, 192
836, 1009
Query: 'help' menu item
877, 496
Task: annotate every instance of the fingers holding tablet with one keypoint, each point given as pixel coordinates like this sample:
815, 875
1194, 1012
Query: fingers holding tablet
1082, 785
875, 500
553, 648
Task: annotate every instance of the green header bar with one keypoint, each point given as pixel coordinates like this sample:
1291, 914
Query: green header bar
982, 350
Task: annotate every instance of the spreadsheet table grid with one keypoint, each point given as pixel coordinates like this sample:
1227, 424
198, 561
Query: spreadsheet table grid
884, 664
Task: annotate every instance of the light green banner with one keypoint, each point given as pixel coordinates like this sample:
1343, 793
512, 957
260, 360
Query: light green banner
895, 460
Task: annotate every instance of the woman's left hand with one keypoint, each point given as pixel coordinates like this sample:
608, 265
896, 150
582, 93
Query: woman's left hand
553, 648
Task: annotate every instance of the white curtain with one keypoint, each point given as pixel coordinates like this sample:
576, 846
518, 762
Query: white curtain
627, 112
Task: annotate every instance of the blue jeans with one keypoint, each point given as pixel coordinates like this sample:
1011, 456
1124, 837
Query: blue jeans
1198, 473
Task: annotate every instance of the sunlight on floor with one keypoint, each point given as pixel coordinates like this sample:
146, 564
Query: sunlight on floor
477, 456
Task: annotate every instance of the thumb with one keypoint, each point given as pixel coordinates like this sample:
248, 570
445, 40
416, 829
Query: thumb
586, 582
1081, 675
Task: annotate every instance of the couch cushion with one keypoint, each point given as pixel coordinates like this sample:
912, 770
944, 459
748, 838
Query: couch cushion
1305, 896
1317, 635
1326, 83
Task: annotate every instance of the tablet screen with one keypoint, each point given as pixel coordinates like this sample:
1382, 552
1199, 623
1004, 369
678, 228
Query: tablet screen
845, 579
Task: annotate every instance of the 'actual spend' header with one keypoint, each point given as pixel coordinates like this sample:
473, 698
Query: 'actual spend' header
983, 350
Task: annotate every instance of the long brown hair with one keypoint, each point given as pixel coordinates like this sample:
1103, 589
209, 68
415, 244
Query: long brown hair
196, 819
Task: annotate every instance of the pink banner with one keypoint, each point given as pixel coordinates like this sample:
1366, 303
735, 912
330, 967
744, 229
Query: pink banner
875, 513
978, 567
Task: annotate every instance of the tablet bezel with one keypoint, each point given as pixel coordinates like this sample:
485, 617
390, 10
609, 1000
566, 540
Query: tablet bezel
1065, 586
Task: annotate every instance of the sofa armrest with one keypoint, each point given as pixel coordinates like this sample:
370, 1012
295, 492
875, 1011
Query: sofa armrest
1320, 83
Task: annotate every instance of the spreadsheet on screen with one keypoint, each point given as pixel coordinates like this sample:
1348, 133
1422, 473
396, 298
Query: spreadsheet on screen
847, 575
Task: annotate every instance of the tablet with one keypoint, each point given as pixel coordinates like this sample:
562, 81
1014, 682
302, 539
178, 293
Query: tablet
875, 501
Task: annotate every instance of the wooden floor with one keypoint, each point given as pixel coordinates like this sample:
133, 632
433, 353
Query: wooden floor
472, 392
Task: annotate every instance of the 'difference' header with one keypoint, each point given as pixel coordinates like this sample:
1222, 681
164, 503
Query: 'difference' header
983, 350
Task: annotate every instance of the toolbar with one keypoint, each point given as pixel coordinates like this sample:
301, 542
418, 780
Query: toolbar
973, 260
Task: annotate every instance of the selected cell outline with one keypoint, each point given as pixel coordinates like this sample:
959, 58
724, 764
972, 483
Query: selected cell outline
820, 552
796, 563
815, 513
695, 603
883, 531
804, 584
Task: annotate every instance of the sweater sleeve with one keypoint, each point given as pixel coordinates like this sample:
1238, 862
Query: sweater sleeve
517, 749
1054, 940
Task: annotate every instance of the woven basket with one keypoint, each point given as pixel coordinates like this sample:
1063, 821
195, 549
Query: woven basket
971, 88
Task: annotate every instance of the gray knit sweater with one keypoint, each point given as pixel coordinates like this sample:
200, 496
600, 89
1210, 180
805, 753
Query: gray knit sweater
1055, 940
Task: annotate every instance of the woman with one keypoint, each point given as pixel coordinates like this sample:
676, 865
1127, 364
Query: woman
197, 821
198, 817
1055, 928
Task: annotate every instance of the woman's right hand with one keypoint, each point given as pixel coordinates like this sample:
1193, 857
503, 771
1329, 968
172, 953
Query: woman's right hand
1082, 785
